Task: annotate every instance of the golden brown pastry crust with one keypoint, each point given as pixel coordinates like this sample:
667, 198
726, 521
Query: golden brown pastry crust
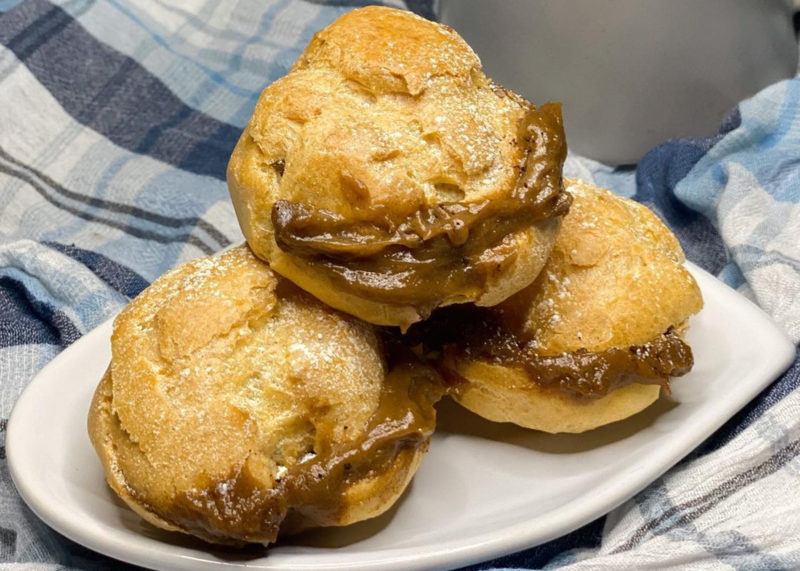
386, 116
614, 279
235, 400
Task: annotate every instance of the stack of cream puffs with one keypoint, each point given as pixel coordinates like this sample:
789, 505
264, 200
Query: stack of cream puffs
290, 382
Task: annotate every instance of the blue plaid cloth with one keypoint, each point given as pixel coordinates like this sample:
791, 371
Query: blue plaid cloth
116, 122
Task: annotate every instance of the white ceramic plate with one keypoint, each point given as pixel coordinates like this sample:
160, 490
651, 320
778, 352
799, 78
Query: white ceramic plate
484, 489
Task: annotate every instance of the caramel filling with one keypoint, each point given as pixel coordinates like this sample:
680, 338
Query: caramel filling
446, 250
475, 334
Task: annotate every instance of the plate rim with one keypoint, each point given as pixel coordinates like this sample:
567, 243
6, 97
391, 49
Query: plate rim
480, 547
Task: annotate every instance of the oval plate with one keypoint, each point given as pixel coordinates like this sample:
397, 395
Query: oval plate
484, 489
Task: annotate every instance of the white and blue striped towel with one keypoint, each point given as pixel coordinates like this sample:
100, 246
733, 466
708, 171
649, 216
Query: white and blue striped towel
116, 122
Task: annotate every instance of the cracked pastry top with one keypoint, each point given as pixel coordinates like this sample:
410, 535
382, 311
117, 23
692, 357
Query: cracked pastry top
237, 405
595, 337
387, 175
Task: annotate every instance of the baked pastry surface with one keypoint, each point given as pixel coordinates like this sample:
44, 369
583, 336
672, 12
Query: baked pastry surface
237, 405
386, 175
595, 337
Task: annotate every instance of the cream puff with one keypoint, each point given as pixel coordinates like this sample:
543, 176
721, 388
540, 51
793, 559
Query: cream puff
236, 405
387, 175
593, 340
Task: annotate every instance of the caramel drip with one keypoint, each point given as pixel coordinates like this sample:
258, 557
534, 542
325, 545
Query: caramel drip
585, 374
477, 334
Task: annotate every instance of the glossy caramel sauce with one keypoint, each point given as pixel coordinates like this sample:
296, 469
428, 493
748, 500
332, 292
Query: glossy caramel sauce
478, 334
